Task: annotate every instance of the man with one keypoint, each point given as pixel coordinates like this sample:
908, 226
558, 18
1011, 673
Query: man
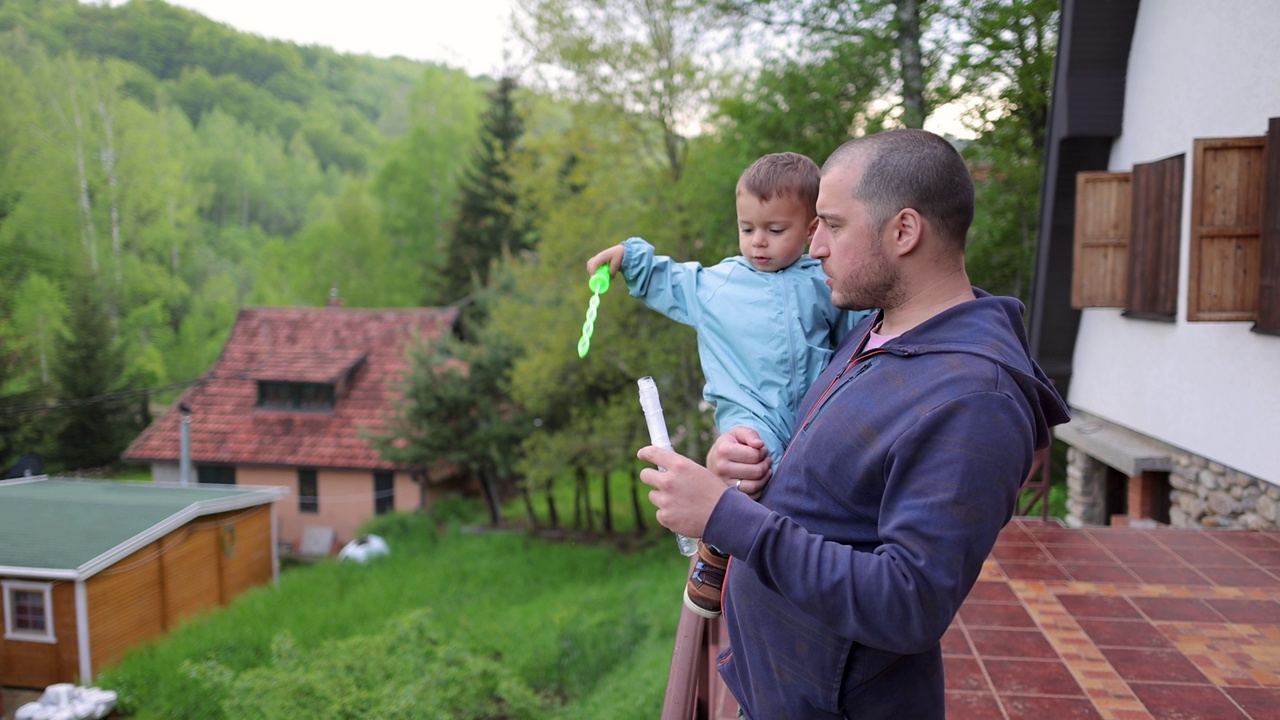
904, 467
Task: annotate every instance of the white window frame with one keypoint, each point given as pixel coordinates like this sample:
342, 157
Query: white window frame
7, 587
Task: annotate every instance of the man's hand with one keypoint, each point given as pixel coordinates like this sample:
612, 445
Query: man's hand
684, 492
612, 256
739, 454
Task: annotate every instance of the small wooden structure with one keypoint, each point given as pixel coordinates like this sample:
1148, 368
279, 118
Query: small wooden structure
89, 569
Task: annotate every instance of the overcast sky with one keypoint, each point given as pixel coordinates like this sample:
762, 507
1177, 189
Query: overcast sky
469, 34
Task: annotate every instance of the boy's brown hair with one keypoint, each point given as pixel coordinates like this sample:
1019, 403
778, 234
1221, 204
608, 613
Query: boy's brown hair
782, 174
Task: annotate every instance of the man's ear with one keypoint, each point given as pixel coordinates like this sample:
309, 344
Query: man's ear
907, 227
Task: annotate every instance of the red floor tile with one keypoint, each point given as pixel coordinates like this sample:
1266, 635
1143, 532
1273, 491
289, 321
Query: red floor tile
1153, 665
1011, 643
1123, 633
1213, 557
1258, 703
1268, 559
1033, 571
954, 642
1095, 606
1120, 537
1080, 554
964, 674
1038, 707
1178, 609
972, 706
1240, 577
985, 591
995, 615
1248, 540
1168, 575
1019, 553
1186, 702
1032, 677
1095, 572
1247, 611
1145, 556
1187, 539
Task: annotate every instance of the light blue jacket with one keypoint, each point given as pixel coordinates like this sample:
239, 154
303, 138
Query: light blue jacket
763, 337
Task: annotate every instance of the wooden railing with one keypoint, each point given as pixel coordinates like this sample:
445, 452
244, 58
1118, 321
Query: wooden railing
693, 686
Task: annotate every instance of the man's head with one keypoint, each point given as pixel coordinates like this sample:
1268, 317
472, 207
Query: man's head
775, 201
894, 210
911, 169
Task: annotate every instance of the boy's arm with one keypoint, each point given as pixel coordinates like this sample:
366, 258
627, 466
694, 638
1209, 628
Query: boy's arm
661, 283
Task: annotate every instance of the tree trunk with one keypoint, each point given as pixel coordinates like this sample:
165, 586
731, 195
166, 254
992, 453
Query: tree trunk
636, 506
552, 516
907, 15
88, 235
607, 520
528, 504
491, 496
109, 167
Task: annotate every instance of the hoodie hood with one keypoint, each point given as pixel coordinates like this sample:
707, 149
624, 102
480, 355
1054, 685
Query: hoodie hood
992, 328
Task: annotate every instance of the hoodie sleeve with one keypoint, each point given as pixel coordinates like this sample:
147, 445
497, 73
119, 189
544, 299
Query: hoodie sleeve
949, 487
666, 286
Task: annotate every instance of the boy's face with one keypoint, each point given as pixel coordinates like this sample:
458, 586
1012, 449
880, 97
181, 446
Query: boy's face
773, 234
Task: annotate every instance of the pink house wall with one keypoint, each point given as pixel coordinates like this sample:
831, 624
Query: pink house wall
346, 500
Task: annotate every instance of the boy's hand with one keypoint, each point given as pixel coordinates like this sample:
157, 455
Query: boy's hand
739, 457
611, 256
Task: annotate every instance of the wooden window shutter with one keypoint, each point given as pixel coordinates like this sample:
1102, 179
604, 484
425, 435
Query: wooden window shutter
1101, 239
1154, 239
1269, 278
1226, 219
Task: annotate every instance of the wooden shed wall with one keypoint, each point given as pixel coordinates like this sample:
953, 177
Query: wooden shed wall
200, 566
31, 664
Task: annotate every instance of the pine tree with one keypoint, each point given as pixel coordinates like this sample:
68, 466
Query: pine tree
94, 425
487, 226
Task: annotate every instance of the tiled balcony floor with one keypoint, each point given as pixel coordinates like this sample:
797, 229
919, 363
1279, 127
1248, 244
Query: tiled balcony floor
1115, 624
1119, 624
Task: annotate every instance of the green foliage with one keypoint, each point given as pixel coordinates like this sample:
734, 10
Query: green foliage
456, 409
406, 671
567, 621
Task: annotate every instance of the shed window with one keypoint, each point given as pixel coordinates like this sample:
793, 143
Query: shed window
28, 611
1226, 219
1100, 273
1153, 243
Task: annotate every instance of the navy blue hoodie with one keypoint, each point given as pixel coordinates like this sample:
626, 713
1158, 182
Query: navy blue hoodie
905, 467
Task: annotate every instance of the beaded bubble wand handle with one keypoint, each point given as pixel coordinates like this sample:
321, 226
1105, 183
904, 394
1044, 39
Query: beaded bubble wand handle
599, 284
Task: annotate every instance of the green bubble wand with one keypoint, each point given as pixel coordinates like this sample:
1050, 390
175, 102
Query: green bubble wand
599, 284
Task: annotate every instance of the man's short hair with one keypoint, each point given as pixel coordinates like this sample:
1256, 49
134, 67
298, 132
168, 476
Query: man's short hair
782, 174
912, 169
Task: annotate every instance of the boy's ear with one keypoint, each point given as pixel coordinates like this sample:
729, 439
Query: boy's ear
813, 227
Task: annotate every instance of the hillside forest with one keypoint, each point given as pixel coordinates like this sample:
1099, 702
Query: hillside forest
159, 171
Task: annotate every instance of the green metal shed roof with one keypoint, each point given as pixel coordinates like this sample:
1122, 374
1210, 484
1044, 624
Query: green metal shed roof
73, 528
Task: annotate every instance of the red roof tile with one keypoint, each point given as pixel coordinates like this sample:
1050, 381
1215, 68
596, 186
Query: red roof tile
298, 345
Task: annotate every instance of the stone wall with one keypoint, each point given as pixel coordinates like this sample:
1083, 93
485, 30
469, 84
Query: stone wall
1207, 494
1203, 494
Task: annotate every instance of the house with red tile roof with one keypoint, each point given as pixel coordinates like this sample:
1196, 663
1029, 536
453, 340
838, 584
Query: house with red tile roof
293, 402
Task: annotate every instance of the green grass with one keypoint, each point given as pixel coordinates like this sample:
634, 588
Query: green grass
587, 627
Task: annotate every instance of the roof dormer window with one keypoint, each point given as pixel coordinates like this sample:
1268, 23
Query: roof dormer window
306, 382
279, 395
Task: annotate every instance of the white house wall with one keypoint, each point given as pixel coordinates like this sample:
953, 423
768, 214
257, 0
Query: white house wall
1197, 69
